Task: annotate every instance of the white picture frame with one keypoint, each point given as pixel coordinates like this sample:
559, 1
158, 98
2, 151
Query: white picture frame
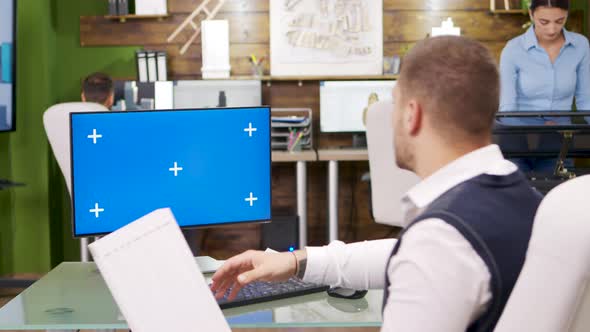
326, 37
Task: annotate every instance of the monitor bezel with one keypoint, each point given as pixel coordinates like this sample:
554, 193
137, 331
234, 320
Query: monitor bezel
13, 74
71, 116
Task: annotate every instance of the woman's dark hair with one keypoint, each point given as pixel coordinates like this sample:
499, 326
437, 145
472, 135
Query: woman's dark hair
563, 4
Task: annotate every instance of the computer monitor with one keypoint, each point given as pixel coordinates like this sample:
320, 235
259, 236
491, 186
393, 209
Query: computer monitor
542, 134
211, 167
7, 65
217, 93
343, 104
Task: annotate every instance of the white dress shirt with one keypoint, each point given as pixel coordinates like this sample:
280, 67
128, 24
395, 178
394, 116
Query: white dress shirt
438, 281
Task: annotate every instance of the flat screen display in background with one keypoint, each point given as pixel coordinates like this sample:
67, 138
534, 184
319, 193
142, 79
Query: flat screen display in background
344, 104
217, 93
7, 65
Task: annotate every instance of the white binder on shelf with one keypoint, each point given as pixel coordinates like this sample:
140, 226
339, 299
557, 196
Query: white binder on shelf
142, 71
162, 66
152, 66
149, 269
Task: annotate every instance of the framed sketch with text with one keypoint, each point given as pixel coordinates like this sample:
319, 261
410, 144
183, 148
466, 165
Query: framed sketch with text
326, 37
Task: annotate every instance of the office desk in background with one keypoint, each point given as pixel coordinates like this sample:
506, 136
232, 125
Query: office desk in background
333, 156
300, 158
74, 296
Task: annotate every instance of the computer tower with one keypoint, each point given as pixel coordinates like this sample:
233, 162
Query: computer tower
282, 234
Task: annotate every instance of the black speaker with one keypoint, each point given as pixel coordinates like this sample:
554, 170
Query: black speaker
281, 234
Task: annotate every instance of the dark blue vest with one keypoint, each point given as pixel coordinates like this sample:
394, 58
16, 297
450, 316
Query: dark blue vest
495, 214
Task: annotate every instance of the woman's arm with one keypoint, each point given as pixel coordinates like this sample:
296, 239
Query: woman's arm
583, 83
508, 76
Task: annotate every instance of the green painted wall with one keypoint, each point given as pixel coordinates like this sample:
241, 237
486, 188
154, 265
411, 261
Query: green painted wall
73, 64
35, 229
25, 225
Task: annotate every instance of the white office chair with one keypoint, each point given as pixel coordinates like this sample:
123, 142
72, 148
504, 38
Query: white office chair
552, 293
388, 182
57, 127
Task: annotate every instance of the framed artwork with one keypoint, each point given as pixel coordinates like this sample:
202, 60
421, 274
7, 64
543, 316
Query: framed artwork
326, 37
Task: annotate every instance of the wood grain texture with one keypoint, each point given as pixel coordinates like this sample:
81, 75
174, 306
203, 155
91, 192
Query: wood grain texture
100, 31
416, 25
187, 6
405, 22
240, 6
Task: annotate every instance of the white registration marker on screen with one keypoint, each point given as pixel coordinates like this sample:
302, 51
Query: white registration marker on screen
250, 129
149, 269
176, 169
94, 136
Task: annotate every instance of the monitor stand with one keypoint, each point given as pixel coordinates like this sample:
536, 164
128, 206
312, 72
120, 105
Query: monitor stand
359, 141
192, 236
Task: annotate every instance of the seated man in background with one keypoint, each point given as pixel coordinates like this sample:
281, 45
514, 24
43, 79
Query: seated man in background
467, 225
98, 88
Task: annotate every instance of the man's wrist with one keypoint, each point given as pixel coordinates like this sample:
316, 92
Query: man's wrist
301, 256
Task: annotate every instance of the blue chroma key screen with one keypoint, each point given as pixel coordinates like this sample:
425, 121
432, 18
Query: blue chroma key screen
209, 166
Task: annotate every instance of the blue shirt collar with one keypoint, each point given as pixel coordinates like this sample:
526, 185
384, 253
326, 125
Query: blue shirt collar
569, 38
530, 39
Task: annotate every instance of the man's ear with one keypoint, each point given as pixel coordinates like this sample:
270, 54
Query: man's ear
414, 118
110, 100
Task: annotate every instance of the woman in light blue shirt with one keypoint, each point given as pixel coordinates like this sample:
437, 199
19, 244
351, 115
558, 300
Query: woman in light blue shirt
544, 69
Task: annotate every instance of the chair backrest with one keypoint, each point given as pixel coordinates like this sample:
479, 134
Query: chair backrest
552, 293
388, 182
57, 127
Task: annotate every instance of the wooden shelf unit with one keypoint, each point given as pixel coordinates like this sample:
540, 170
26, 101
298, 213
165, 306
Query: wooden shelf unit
124, 18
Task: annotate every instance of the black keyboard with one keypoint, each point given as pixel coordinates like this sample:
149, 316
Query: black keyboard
260, 291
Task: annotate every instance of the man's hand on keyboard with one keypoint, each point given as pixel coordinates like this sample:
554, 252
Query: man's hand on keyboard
250, 266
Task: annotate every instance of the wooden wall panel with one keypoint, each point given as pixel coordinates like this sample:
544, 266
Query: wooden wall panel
100, 31
190, 63
187, 6
416, 25
405, 23
247, 28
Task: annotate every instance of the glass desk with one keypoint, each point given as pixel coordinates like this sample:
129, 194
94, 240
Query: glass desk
74, 296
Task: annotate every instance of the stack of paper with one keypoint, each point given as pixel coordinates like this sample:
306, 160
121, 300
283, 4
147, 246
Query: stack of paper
153, 277
215, 49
